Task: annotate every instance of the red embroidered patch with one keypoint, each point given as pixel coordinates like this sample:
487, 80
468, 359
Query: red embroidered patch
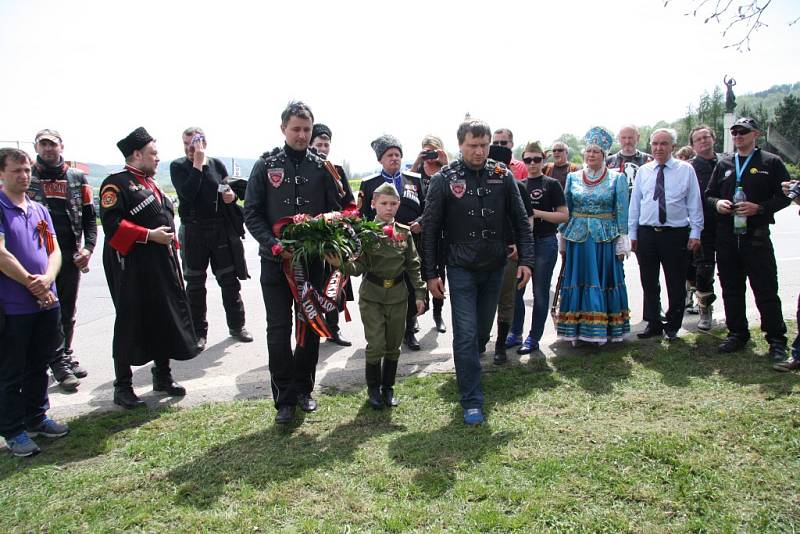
458, 188
275, 177
109, 199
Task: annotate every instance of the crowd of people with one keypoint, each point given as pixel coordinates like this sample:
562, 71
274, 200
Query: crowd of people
485, 222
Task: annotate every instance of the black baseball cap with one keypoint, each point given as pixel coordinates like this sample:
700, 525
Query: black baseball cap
747, 123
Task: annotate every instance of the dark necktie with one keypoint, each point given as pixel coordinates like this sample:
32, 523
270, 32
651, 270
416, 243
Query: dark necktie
660, 196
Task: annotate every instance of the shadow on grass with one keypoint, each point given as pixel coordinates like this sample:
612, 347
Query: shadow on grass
679, 362
595, 369
275, 454
598, 369
438, 456
90, 436
504, 384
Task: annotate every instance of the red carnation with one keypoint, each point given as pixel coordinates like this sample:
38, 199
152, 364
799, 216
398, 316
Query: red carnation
277, 248
351, 213
300, 218
388, 231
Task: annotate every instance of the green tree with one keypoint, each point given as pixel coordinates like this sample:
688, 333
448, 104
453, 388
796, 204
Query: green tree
762, 116
575, 147
787, 119
685, 125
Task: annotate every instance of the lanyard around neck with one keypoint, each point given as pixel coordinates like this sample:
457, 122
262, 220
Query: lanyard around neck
740, 169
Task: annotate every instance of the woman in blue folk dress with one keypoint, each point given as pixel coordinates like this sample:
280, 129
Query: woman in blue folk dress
594, 299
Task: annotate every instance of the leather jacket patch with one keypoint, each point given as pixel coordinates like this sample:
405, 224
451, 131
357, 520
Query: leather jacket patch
458, 188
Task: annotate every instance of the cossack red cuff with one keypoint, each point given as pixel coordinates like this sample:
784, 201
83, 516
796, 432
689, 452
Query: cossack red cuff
126, 236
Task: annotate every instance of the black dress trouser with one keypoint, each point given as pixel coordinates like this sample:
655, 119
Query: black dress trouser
291, 373
665, 247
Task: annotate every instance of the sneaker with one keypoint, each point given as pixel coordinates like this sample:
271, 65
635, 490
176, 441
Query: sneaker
706, 318
777, 352
732, 344
77, 370
62, 372
22, 445
49, 429
513, 340
528, 346
473, 416
68, 382
791, 364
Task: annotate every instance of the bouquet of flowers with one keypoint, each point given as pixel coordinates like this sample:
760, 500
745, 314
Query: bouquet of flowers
344, 234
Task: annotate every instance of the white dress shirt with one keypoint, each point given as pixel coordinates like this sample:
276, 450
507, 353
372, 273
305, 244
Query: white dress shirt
682, 194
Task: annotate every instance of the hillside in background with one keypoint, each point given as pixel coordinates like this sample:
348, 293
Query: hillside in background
761, 105
770, 98
98, 172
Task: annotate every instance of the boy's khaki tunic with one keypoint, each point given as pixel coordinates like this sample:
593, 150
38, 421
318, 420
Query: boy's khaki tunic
383, 297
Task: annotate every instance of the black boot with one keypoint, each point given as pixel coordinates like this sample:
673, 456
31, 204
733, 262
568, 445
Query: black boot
500, 344
410, 339
372, 371
437, 316
162, 381
387, 382
125, 397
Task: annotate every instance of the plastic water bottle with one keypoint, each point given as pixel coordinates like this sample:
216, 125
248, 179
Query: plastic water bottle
739, 221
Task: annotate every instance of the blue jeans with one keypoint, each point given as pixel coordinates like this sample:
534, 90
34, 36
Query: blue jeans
26, 346
473, 302
546, 254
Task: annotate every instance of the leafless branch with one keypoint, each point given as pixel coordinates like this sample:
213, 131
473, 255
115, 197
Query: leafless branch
738, 16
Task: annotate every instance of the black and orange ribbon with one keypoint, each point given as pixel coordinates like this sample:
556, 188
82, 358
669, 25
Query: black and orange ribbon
312, 305
336, 178
45, 237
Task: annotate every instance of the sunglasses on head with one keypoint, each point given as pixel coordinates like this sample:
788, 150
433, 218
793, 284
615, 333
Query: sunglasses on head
535, 159
736, 132
501, 143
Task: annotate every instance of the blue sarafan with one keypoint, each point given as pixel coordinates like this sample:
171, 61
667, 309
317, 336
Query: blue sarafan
594, 298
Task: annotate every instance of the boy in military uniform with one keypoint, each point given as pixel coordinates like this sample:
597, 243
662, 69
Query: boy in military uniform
383, 297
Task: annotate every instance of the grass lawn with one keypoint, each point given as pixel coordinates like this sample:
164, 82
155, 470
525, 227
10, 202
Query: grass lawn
644, 437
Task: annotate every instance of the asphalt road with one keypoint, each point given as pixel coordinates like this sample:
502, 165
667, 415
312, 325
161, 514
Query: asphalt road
232, 370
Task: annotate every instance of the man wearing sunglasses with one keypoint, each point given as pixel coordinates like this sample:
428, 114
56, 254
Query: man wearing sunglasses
504, 137
749, 255
560, 167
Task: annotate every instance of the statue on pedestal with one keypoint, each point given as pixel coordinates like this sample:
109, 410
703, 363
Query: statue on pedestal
730, 99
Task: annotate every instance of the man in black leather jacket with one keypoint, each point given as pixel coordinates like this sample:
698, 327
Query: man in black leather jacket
471, 199
65, 191
209, 234
286, 181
